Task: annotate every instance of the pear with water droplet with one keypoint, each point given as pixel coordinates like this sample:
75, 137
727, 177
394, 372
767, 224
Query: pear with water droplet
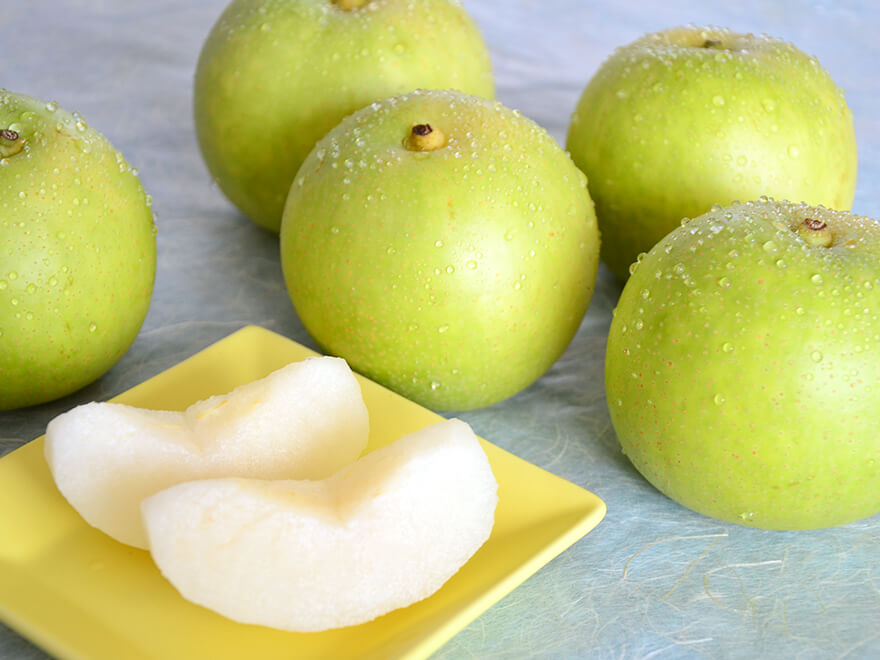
690, 117
77, 252
743, 365
443, 244
273, 78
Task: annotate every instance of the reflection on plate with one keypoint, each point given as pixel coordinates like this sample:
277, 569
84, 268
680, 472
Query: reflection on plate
79, 594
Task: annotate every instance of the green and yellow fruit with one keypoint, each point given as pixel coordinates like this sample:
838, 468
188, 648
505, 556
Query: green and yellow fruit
444, 245
690, 117
77, 252
743, 372
273, 78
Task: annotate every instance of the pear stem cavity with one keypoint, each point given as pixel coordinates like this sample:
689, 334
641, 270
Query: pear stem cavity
10, 143
815, 232
350, 5
424, 138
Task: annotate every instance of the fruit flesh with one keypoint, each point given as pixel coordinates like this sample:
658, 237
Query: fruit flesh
272, 79
306, 420
668, 127
455, 276
79, 253
741, 373
383, 533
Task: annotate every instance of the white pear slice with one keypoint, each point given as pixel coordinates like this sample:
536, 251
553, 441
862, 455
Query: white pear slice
305, 556
304, 421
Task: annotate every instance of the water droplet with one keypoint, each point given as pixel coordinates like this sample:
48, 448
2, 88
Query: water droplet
3, 284
727, 347
768, 105
32, 288
646, 293
472, 264
12, 275
435, 385
724, 283
800, 311
769, 246
718, 100
719, 399
93, 327
438, 243
443, 328
816, 279
816, 356
746, 515
793, 151
450, 269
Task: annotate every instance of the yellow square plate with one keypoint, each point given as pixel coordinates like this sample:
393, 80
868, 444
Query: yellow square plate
79, 594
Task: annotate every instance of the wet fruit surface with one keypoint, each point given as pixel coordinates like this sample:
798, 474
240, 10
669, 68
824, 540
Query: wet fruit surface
683, 119
742, 371
274, 77
77, 252
455, 275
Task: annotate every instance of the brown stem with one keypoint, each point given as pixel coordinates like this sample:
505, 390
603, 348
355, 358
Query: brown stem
10, 143
423, 137
815, 232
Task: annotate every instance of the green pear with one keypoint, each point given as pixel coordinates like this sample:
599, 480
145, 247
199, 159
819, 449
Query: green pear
77, 252
743, 372
444, 245
690, 117
273, 78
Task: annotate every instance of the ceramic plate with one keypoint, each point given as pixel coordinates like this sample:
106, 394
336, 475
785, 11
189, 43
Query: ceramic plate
79, 594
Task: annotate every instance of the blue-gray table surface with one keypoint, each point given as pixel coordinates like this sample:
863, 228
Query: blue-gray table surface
653, 579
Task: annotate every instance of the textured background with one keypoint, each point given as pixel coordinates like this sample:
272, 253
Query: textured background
654, 579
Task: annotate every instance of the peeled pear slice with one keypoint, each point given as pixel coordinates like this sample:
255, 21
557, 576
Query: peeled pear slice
306, 556
304, 421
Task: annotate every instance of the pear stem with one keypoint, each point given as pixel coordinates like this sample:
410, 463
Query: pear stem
10, 143
350, 5
425, 138
815, 233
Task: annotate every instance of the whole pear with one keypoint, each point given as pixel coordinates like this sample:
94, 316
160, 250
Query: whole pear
77, 252
444, 245
689, 117
273, 78
743, 365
